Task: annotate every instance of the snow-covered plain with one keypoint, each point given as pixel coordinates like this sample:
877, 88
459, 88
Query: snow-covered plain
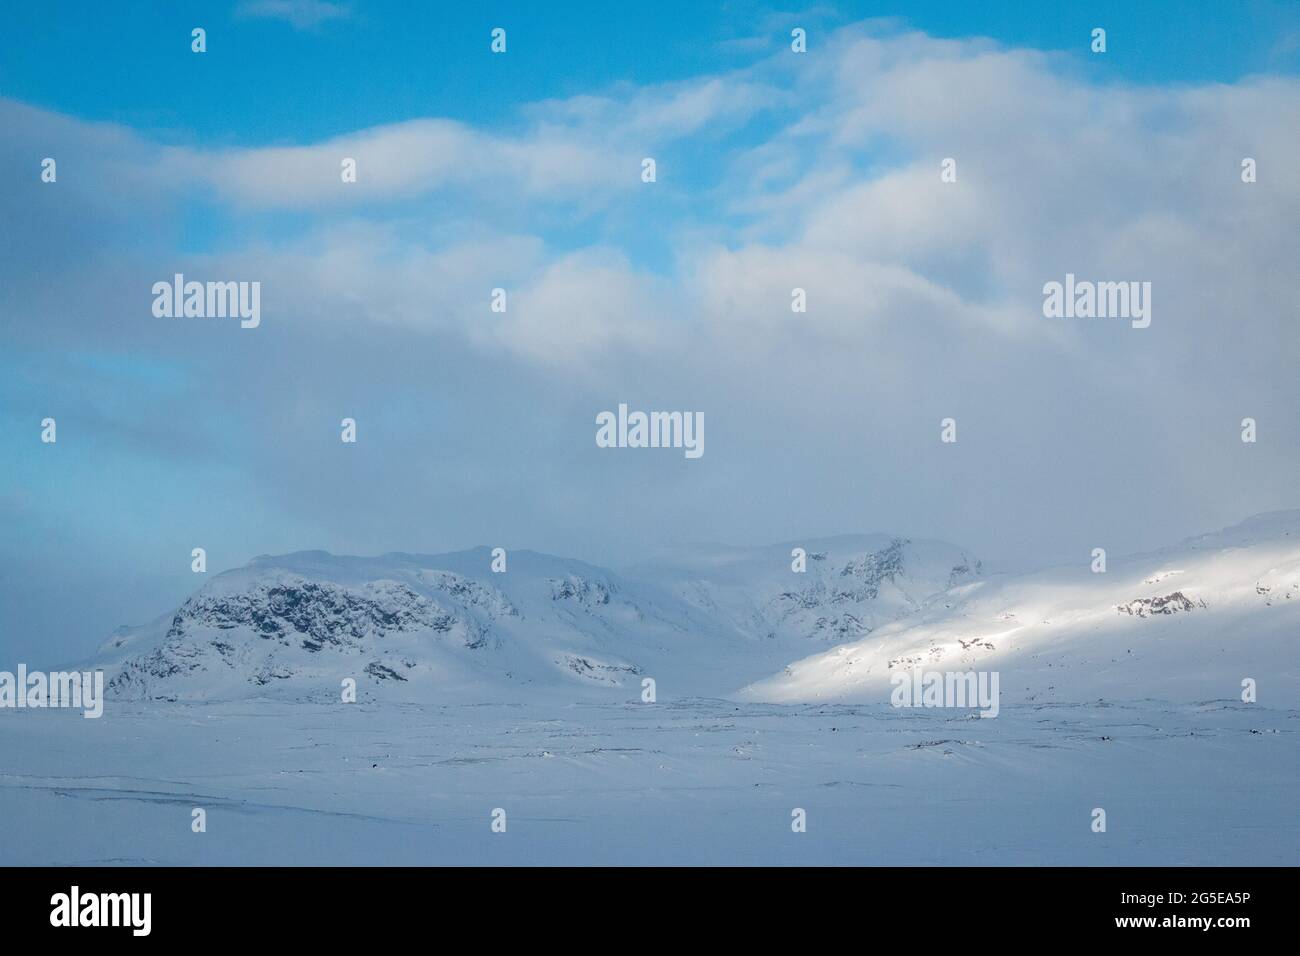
523, 691
693, 781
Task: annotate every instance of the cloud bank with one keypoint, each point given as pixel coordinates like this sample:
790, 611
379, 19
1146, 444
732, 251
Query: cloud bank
819, 172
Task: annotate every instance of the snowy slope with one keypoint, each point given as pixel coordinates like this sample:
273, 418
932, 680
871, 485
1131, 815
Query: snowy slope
1185, 623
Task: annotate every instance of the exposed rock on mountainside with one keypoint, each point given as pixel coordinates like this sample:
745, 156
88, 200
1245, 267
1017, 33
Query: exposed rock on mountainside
1169, 604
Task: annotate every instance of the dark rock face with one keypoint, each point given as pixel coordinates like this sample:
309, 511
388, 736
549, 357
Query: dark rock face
1169, 604
963, 572
258, 628
597, 670
581, 590
380, 672
838, 599
859, 580
844, 627
314, 613
863, 577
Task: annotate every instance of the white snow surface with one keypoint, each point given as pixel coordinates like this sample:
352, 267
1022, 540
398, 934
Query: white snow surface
523, 691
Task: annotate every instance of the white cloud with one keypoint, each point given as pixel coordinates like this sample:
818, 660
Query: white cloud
583, 150
404, 160
302, 14
583, 311
924, 298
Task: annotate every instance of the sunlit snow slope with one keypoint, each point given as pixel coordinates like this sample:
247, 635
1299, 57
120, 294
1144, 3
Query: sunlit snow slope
1188, 622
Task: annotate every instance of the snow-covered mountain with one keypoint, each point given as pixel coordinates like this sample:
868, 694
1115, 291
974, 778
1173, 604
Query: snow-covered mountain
850, 585
407, 626
1189, 620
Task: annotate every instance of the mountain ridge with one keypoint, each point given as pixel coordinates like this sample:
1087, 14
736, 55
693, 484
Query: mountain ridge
718, 621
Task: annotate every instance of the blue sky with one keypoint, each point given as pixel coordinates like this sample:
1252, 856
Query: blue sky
267, 80
522, 171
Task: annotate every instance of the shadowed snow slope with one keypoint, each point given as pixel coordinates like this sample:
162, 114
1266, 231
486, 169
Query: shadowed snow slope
1188, 622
